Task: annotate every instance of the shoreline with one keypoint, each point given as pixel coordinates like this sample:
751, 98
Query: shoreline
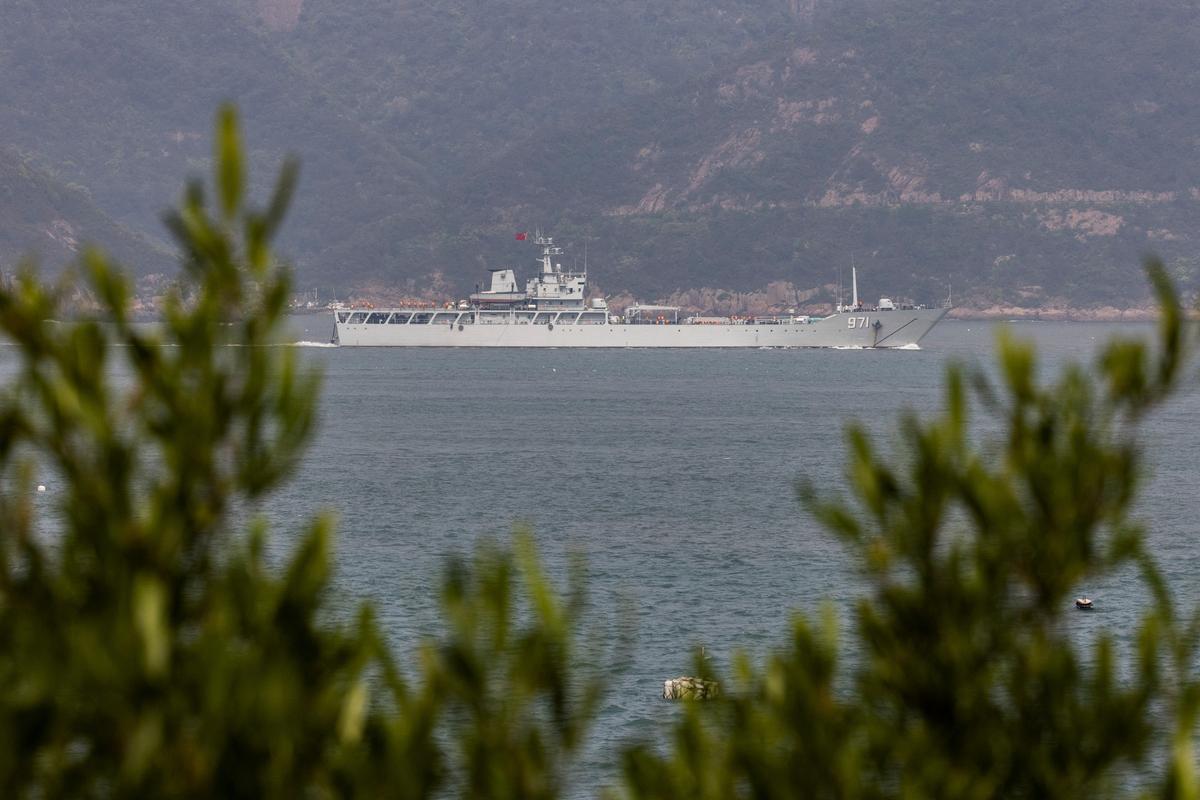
1055, 314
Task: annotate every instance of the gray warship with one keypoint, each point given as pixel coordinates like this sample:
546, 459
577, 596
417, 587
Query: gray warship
553, 311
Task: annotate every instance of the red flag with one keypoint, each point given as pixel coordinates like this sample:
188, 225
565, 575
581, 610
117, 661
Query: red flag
521, 236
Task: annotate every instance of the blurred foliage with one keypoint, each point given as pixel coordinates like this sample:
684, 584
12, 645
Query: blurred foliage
147, 645
150, 648
967, 680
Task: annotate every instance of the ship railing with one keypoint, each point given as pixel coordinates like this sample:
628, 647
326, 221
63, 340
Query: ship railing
652, 315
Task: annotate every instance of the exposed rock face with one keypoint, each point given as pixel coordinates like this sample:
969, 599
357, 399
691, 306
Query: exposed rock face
739, 149
790, 113
1090, 222
63, 233
654, 201
749, 81
280, 15
995, 189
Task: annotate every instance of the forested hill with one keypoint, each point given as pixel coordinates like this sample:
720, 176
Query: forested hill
1029, 153
1032, 155
43, 216
118, 96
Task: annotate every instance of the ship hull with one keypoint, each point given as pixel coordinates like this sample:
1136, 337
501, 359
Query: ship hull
867, 329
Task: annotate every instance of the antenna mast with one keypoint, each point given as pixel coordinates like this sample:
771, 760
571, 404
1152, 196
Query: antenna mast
853, 284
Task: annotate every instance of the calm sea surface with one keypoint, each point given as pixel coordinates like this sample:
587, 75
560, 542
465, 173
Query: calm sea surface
671, 471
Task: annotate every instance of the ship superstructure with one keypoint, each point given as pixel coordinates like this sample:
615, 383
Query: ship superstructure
552, 310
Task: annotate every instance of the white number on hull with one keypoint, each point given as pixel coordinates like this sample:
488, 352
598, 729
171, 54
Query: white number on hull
858, 322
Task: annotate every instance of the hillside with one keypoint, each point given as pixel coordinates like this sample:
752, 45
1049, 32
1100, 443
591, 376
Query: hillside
925, 143
452, 82
39, 215
119, 97
715, 153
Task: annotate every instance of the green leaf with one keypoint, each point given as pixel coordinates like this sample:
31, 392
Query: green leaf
230, 177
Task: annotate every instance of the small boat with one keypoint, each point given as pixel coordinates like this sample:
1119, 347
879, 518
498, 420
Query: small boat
1084, 603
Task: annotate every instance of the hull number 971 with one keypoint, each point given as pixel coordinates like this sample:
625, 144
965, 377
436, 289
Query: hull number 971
858, 322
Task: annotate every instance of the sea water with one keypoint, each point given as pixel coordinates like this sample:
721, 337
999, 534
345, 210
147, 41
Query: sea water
672, 471
673, 474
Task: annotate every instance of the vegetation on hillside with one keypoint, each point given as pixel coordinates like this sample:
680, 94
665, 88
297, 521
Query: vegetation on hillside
43, 215
1025, 153
1004, 149
149, 649
115, 97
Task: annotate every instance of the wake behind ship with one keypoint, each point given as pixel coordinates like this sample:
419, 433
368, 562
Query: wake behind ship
552, 311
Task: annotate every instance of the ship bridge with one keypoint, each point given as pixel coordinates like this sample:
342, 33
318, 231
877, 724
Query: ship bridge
555, 288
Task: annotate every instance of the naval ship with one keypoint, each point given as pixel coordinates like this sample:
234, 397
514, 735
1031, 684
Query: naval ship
553, 311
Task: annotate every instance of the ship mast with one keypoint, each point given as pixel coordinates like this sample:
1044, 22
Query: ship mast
549, 250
